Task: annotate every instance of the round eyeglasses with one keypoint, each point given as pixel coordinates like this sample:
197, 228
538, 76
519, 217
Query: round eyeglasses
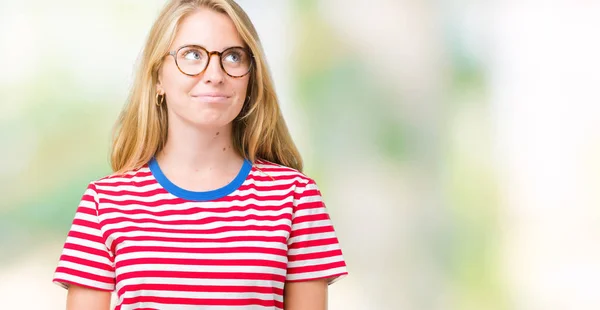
193, 59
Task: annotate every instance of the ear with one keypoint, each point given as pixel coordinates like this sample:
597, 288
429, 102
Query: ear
158, 86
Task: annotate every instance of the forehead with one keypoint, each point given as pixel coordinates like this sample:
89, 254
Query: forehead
205, 27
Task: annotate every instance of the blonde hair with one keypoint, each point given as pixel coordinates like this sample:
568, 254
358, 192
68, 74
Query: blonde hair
259, 132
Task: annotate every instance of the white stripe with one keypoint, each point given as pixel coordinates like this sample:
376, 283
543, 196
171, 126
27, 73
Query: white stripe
202, 295
153, 305
249, 182
87, 217
86, 243
153, 198
191, 245
280, 173
307, 199
132, 187
313, 224
314, 249
211, 225
88, 204
311, 211
311, 186
312, 237
85, 230
83, 281
87, 269
263, 192
270, 183
136, 178
306, 185
316, 274
199, 214
156, 197
121, 258
183, 235
87, 256
210, 282
204, 268
199, 204
316, 261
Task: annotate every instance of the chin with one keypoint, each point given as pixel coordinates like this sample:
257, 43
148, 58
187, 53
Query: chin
209, 120
204, 117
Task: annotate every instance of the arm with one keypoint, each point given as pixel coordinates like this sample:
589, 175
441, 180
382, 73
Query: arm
314, 256
86, 265
79, 297
305, 295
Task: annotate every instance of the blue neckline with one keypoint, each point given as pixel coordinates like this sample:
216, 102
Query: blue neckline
200, 196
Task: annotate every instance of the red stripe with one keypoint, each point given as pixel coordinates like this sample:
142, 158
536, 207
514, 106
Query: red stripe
175, 201
88, 197
226, 239
85, 262
84, 236
220, 250
202, 262
201, 275
201, 288
198, 301
138, 173
146, 193
158, 203
86, 223
316, 268
270, 187
127, 183
200, 221
262, 177
201, 231
85, 275
311, 243
196, 210
311, 218
311, 230
310, 205
316, 255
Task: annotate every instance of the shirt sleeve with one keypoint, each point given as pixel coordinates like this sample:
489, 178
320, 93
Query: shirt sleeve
85, 258
313, 248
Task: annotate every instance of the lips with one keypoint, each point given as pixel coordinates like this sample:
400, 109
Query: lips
211, 97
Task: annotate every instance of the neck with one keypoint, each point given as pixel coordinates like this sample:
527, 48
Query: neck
199, 151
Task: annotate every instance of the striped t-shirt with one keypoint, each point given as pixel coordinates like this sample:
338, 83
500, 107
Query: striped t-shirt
159, 246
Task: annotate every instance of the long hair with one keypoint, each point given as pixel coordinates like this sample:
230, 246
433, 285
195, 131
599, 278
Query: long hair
259, 132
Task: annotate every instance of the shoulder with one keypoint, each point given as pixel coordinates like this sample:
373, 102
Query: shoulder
279, 174
137, 177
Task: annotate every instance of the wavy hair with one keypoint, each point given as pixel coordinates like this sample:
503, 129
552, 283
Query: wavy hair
259, 132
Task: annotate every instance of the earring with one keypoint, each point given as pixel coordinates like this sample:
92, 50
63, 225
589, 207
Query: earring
161, 101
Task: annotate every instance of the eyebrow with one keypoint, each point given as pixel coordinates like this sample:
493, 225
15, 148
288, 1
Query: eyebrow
204, 47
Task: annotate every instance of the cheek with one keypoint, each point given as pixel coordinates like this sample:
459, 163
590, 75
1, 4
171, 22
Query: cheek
175, 83
241, 88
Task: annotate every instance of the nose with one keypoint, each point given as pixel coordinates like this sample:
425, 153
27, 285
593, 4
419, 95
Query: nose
213, 72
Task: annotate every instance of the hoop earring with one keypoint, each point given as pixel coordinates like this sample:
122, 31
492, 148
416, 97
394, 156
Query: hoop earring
161, 101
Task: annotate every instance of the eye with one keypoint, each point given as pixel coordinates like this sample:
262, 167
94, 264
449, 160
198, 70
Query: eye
192, 54
234, 57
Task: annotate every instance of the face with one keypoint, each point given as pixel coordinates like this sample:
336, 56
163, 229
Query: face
211, 99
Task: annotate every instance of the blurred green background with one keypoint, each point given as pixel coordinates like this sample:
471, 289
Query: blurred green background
455, 143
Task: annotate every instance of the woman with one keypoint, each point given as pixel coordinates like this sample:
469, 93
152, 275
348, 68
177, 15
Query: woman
207, 208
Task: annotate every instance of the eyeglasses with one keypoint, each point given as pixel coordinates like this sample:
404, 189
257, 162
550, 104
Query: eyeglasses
194, 59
